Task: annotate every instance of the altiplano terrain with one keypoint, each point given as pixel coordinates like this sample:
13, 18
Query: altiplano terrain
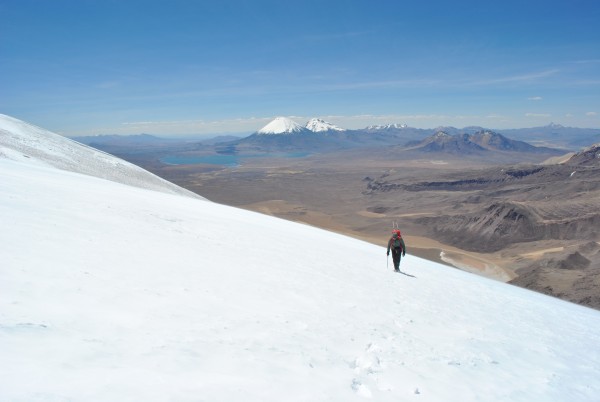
472, 199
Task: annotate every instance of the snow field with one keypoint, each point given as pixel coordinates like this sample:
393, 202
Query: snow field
112, 292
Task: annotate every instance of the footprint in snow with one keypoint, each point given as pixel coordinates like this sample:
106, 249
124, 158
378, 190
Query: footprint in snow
361, 389
369, 361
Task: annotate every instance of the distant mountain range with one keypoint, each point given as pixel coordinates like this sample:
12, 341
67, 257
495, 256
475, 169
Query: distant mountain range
480, 141
113, 139
386, 127
552, 135
145, 140
318, 135
572, 138
284, 134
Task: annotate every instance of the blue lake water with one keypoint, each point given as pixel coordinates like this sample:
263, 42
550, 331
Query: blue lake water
224, 160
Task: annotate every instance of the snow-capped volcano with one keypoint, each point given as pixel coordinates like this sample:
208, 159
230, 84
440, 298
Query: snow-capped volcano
319, 125
281, 125
386, 126
110, 292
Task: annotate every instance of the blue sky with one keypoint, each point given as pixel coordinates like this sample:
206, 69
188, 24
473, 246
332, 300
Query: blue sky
179, 67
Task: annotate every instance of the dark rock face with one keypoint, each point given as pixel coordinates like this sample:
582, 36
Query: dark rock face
570, 276
505, 223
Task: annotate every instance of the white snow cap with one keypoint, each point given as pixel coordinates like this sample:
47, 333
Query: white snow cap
281, 125
384, 127
318, 125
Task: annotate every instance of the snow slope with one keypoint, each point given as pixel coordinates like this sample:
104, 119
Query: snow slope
110, 292
22, 141
281, 125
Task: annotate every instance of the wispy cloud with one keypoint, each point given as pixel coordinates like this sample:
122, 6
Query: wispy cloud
518, 78
538, 115
535, 98
435, 82
591, 114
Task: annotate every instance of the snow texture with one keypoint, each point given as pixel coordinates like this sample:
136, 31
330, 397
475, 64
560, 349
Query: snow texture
110, 292
319, 125
22, 141
281, 125
386, 126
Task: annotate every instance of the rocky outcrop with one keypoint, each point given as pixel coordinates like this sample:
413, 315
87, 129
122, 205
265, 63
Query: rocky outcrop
586, 158
573, 276
574, 261
505, 223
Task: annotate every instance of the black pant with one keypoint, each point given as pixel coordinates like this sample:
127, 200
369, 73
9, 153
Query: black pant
396, 255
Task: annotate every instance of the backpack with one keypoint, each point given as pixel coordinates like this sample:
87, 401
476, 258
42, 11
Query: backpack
396, 243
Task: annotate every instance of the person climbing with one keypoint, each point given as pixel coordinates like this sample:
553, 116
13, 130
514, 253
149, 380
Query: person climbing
396, 244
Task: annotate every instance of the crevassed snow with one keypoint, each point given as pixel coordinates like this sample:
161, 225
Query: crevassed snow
20, 140
281, 125
318, 125
110, 292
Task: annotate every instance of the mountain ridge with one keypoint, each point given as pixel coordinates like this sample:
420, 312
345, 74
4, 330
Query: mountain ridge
551, 135
480, 141
318, 125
